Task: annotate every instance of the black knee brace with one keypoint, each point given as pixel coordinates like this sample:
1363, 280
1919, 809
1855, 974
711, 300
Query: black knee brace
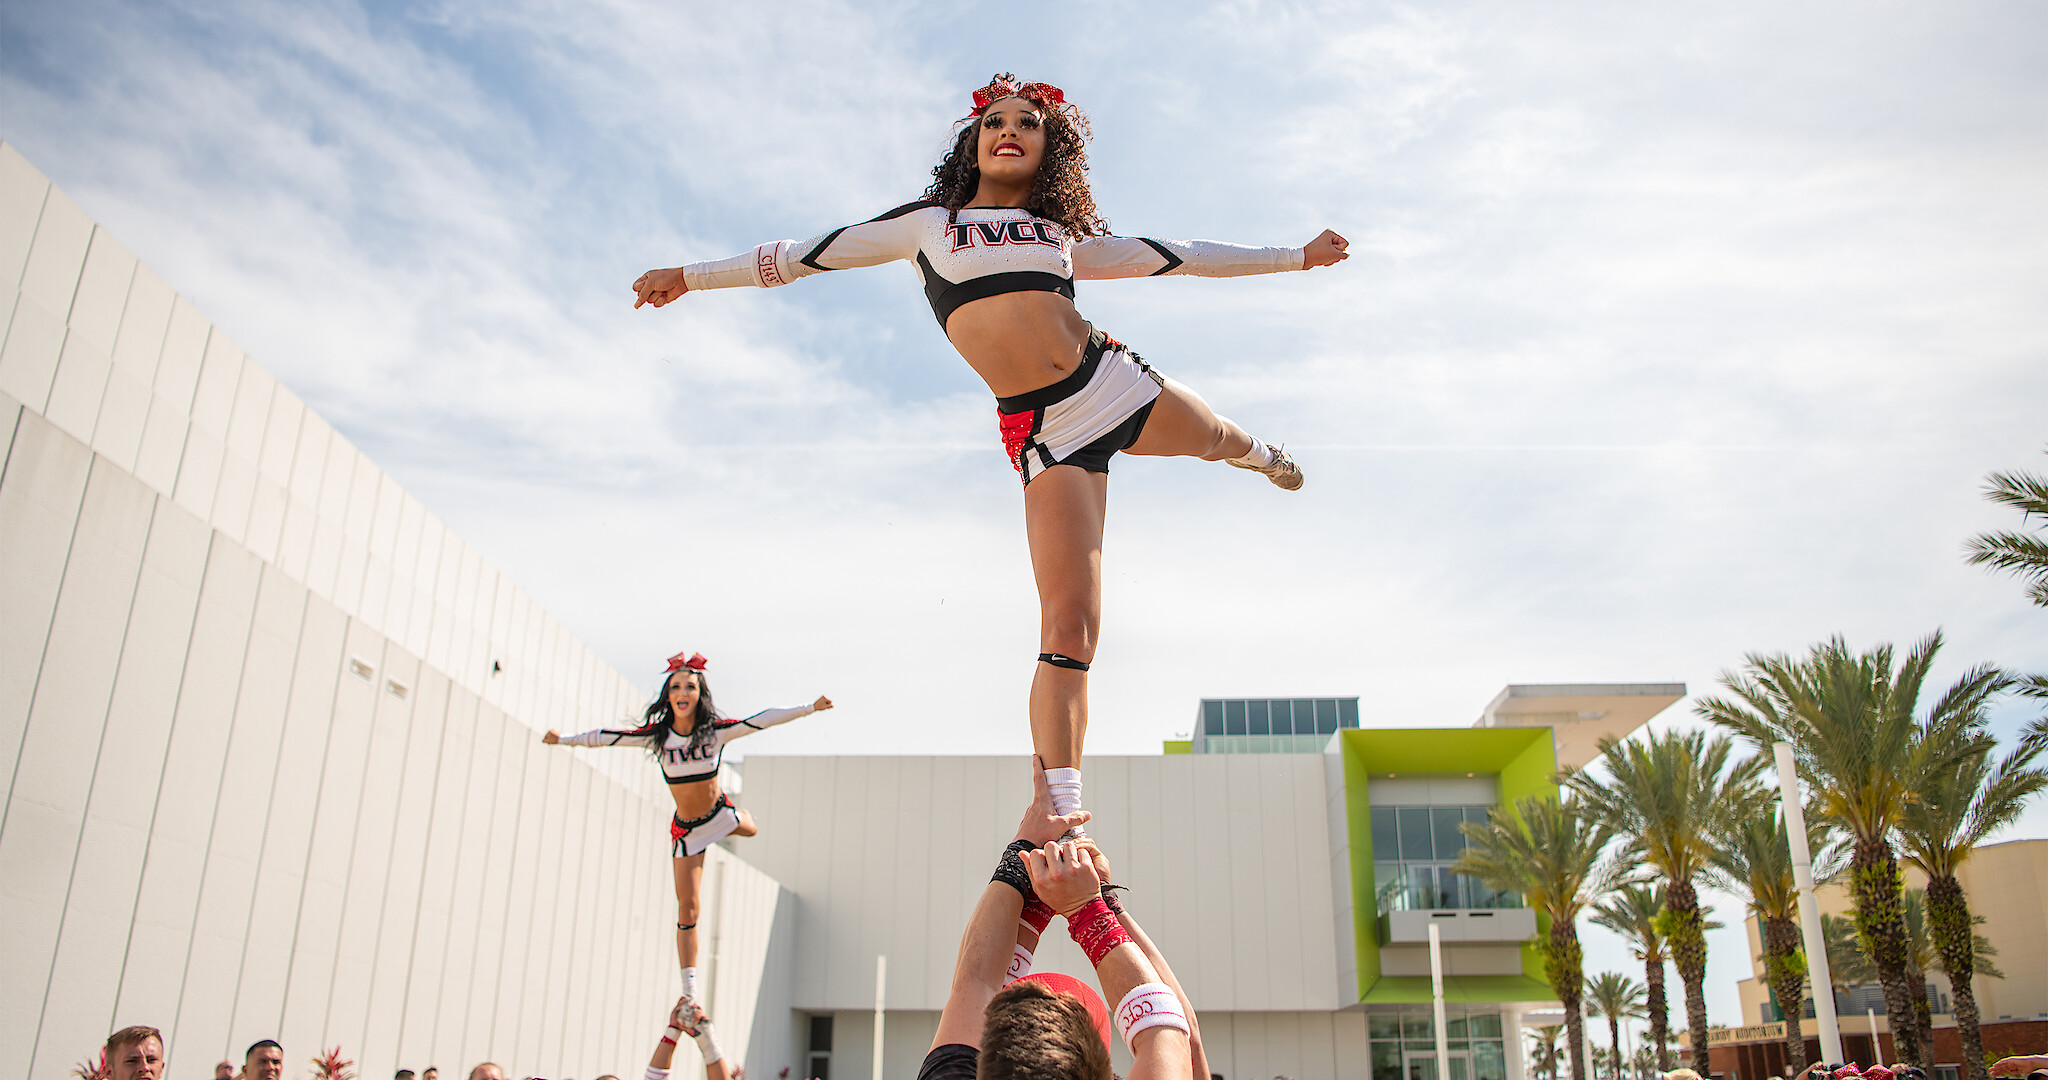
691, 926
1061, 660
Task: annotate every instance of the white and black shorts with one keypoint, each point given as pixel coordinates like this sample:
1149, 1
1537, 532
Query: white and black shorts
693, 837
1085, 418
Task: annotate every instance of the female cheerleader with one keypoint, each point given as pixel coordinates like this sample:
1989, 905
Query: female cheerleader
1006, 227
689, 760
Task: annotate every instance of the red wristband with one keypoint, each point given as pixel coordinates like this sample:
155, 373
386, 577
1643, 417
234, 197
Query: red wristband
1037, 914
1096, 930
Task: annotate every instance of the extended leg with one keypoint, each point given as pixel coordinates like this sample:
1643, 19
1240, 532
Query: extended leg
689, 878
1183, 425
1063, 513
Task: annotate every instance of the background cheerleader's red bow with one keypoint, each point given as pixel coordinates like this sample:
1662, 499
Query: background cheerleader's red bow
1044, 93
695, 662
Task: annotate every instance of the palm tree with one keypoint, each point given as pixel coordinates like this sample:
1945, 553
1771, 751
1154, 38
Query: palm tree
1851, 966
1546, 1053
1754, 858
1549, 851
1863, 753
2017, 553
1631, 911
1616, 997
1667, 794
1955, 812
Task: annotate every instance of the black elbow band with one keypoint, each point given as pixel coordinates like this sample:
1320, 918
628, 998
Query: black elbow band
1061, 660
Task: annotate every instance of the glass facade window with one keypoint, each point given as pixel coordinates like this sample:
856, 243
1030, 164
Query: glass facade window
1413, 848
1403, 1044
1272, 725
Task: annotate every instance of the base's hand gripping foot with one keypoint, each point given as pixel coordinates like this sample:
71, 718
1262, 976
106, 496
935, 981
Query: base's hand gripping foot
1283, 472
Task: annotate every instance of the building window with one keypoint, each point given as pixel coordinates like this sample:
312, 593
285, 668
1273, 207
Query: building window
821, 1048
1272, 725
1413, 848
1403, 1044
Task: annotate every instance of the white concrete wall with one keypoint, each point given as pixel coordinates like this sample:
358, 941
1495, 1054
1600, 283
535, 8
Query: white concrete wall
1227, 856
220, 816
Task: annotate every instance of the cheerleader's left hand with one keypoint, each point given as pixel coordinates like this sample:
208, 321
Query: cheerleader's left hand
821, 704
1325, 250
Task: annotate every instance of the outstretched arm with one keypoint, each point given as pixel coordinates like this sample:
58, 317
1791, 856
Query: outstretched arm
878, 240
990, 940
603, 737
768, 718
1101, 257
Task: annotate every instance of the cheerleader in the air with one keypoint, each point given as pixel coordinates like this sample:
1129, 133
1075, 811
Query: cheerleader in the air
1001, 235
688, 737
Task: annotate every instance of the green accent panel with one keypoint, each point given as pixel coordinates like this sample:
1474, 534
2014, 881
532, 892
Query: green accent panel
1177, 746
1470, 989
1532, 773
1524, 760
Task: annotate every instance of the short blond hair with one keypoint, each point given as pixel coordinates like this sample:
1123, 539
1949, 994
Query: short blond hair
129, 1036
1681, 1074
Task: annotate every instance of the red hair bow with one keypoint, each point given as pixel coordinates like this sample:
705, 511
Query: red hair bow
694, 662
1003, 86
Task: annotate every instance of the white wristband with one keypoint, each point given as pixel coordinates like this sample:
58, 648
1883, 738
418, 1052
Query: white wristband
1149, 1005
1020, 965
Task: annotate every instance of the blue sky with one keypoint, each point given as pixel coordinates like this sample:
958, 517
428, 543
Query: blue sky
1667, 336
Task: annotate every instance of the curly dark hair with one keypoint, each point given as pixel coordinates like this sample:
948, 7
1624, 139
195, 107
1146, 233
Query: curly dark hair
661, 718
1059, 193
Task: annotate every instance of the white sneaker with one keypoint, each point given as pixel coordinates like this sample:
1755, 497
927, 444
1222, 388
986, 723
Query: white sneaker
1283, 472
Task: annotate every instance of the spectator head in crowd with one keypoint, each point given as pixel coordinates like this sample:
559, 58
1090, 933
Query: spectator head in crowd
403, 1074
136, 1053
489, 1070
2023, 1065
263, 1061
430, 1073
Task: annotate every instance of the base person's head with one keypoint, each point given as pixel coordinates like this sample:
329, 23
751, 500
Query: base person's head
136, 1053
264, 1061
1033, 1032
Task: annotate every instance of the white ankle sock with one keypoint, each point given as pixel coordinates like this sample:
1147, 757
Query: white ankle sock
1259, 456
1065, 785
690, 982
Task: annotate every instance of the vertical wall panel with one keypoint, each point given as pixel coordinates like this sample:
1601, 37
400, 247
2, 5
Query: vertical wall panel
413, 804
57, 254
144, 320
79, 386
40, 494
221, 926
28, 360
430, 946
102, 291
162, 447
87, 971
288, 826
46, 808
123, 414
310, 983
183, 355
370, 857
22, 190
161, 940
482, 833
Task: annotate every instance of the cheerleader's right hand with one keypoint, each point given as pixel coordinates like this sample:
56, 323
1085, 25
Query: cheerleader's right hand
552, 738
659, 287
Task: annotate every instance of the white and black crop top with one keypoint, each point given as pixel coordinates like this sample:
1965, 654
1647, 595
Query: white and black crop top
988, 251
681, 763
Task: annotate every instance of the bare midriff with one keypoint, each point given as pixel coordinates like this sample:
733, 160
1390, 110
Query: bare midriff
696, 799
1018, 342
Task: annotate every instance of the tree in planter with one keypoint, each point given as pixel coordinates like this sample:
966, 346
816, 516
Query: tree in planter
1754, 859
1668, 794
1631, 911
1615, 997
1864, 754
1549, 851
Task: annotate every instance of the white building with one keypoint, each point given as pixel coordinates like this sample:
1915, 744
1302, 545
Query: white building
269, 734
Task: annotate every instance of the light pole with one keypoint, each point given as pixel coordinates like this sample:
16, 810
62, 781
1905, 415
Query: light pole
1809, 911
